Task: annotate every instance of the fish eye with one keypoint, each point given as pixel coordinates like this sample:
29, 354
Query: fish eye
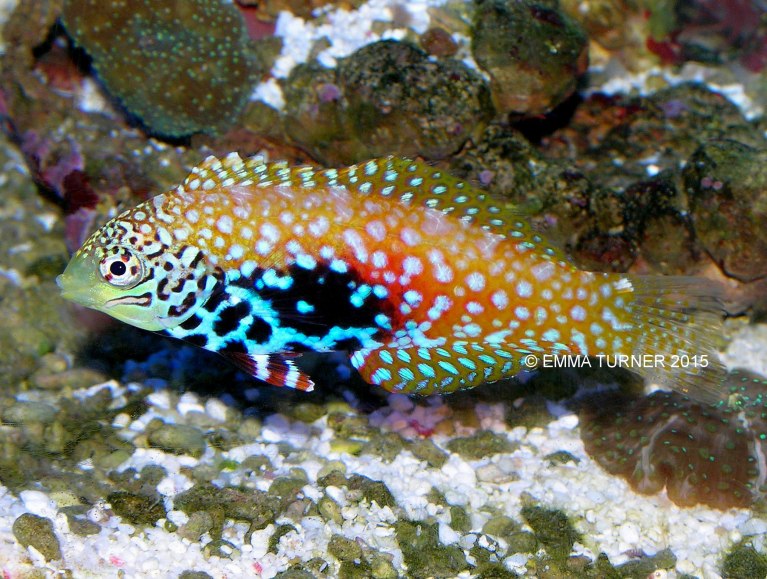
123, 269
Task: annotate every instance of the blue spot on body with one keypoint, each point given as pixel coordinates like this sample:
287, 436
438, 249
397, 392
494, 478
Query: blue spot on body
338, 266
448, 367
467, 363
426, 370
403, 355
304, 307
381, 375
306, 261
383, 321
272, 279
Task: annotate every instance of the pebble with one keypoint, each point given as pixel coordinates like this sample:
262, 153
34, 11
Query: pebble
37, 532
189, 403
29, 412
179, 439
216, 409
629, 533
38, 503
447, 536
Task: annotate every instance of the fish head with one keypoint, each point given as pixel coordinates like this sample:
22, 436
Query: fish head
136, 271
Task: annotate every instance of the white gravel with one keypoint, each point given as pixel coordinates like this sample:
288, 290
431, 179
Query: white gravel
611, 517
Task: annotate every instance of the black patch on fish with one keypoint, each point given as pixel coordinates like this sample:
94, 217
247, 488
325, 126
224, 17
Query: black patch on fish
234, 347
192, 322
180, 310
157, 253
329, 292
196, 260
161, 288
296, 347
200, 340
230, 317
215, 300
259, 331
348, 345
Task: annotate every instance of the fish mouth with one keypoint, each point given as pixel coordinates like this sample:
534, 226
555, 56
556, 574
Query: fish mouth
60, 282
64, 287
67, 291
78, 282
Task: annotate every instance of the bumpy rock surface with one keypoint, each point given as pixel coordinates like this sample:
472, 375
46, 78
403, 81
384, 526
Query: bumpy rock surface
386, 98
533, 52
726, 182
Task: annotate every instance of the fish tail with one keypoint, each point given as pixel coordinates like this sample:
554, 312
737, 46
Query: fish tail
677, 321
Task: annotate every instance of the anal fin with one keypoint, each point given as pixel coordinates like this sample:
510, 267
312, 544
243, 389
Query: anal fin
435, 370
275, 369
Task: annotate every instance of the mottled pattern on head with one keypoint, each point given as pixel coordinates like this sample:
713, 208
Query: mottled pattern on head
148, 269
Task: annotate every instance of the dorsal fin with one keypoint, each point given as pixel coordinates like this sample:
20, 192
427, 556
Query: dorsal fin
419, 184
410, 182
214, 173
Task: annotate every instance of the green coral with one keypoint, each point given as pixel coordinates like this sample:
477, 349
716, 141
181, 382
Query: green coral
480, 445
181, 68
725, 181
256, 507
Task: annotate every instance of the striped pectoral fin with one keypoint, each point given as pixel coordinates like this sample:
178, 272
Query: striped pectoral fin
275, 369
435, 370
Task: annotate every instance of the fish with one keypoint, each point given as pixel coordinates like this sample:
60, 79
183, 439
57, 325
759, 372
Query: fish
429, 283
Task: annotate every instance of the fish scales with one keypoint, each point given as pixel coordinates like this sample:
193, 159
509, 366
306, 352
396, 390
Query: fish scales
429, 283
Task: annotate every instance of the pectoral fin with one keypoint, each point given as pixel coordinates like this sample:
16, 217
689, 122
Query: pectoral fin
272, 368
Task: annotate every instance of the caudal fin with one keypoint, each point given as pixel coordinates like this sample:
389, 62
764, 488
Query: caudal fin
678, 321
